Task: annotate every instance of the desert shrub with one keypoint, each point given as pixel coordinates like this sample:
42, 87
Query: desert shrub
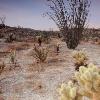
87, 85
80, 58
40, 53
10, 38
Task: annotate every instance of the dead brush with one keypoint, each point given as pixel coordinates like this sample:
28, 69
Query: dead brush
40, 54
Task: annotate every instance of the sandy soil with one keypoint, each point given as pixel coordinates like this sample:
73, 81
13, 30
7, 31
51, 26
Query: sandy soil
26, 83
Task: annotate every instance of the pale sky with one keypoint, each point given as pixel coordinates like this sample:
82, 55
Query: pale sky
28, 13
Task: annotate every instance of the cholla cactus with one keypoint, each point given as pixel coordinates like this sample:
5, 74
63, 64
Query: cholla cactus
89, 79
69, 92
13, 56
88, 85
40, 53
80, 58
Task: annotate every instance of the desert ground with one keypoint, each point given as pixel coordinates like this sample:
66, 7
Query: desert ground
27, 82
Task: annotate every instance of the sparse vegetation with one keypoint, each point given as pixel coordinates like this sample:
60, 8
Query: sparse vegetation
48, 64
35, 62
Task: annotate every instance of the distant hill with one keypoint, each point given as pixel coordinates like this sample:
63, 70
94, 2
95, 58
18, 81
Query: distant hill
22, 33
